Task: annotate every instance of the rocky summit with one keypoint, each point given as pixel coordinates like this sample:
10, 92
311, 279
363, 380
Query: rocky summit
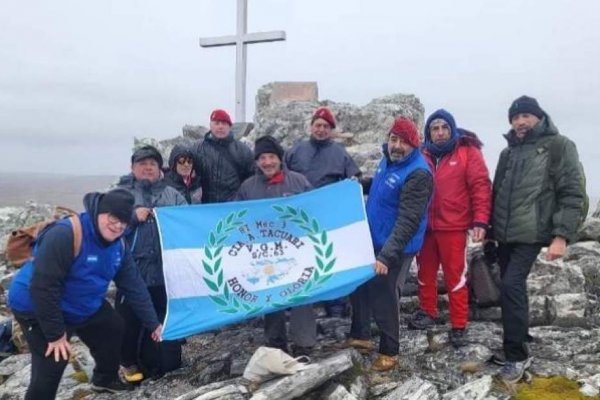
564, 308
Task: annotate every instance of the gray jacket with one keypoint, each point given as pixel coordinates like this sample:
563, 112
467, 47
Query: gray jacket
258, 186
143, 238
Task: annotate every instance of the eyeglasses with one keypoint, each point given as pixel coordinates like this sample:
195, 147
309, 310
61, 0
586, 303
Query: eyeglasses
114, 221
185, 160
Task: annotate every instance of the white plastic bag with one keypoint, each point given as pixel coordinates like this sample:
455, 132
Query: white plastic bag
268, 362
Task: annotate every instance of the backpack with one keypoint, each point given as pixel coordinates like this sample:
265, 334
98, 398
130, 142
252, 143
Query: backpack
20, 243
555, 150
483, 280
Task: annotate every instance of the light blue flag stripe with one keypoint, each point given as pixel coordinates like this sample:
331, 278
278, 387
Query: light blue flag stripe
325, 206
187, 316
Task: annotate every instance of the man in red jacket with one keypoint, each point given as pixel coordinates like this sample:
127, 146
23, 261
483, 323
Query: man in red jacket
461, 202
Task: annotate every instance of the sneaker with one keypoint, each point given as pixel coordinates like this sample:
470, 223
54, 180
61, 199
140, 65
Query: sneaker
384, 363
457, 337
115, 386
513, 371
131, 374
420, 320
498, 358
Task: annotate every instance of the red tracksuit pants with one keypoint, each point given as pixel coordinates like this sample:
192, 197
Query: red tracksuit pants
447, 248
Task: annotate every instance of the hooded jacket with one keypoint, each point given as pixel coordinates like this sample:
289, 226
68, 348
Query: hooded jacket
193, 192
60, 290
462, 190
224, 164
531, 203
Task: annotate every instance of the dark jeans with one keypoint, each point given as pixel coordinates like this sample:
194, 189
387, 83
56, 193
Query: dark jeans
515, 261
303, 327
379, 298
138, 348
102, 333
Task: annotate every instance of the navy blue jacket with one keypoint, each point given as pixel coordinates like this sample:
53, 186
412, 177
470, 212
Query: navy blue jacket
59, 290
321, 161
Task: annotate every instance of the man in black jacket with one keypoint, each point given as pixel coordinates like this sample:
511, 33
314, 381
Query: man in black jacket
149, 191
223, 162
58, 294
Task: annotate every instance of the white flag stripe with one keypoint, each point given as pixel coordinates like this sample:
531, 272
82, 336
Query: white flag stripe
185, 270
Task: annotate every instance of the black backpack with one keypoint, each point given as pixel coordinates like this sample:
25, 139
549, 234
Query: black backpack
483, 278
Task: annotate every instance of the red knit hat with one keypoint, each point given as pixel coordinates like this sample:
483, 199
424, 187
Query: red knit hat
220, 115
324, 113
407, 130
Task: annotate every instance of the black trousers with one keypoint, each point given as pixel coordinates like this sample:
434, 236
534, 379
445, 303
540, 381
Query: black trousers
379, 298
516, 260
138, 348
102, 333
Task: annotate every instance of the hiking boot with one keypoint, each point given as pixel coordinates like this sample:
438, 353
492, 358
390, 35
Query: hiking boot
131, 374
513, 371
384, 363
115, 386
420, 320
363, 346
457, 337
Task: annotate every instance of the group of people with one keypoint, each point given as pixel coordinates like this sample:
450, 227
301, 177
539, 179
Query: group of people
424, 200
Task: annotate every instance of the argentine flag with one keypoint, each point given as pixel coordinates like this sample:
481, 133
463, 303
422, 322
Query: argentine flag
224, 263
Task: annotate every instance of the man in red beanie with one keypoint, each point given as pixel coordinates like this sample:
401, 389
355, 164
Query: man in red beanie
397, 213
322, 161
223, 161
461, 202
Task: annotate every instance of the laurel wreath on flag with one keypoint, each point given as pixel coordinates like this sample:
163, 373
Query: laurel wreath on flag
324, 257
214, 279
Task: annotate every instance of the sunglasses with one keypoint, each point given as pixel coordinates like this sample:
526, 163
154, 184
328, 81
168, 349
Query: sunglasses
114, 221
185, 160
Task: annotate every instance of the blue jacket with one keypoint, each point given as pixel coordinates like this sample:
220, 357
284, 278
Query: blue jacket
58, 289
87, 282
384, 202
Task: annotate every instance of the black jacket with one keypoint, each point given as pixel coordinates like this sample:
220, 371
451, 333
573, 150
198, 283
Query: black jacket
224, 164
144, 238
193, 192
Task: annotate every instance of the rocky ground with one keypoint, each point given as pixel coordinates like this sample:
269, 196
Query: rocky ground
564, 309
565, 327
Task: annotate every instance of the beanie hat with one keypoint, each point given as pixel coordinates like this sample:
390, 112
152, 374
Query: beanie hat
407, 130
267, 144
117, 202
220, 115
324, 113
525, 104
145, 152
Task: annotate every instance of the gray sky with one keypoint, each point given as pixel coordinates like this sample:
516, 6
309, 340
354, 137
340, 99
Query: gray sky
79, 79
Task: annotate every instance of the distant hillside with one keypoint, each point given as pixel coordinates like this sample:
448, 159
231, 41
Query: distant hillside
65, 190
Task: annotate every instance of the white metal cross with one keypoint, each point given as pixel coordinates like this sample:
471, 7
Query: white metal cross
240, 40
